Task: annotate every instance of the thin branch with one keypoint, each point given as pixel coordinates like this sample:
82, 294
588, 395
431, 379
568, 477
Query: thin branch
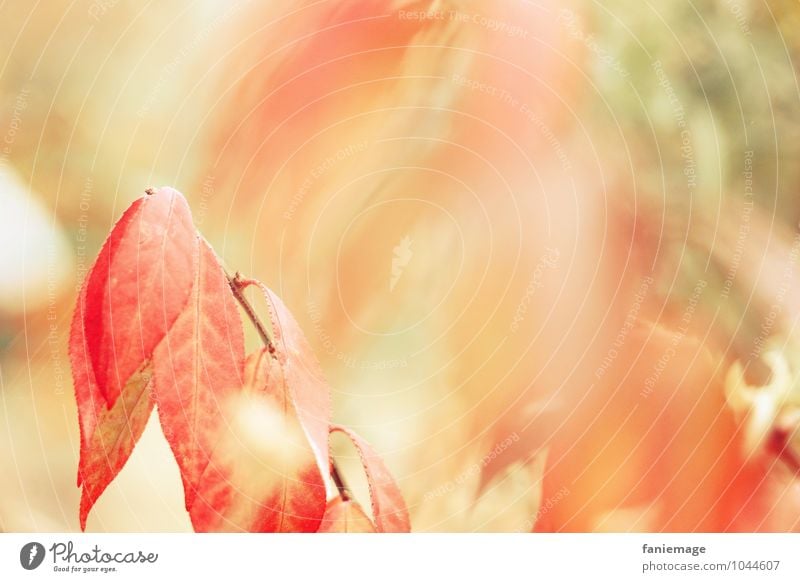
344, 492
236, 288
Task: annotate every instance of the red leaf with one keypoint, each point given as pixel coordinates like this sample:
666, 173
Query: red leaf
107, 435
263, 476
196, 367
345, 517
137, 287
129, 261
308, 388
89, 399
388, 507
111, 444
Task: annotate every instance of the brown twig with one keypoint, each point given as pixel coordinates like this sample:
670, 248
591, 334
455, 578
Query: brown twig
235, 283
236, 288
344, 492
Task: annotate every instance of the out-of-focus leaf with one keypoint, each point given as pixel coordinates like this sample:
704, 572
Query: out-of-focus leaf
345, 517
263, 476
511, 500
307, 386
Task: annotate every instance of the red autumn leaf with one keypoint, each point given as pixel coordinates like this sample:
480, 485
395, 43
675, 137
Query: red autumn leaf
263, 476
107, 435
119, 289
345, 517
137, 287
251, 442
388, 507
307, 386
196, 367
88, 396
111, 444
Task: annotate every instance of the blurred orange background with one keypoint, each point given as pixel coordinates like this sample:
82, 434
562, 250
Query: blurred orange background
546, 252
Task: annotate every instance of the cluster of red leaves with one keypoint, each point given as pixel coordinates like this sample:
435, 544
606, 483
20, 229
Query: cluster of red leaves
157, 324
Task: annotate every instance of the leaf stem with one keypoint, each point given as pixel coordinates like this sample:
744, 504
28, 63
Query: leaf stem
344, 492
236, 286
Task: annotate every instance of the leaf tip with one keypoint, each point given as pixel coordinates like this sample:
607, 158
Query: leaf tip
86, 506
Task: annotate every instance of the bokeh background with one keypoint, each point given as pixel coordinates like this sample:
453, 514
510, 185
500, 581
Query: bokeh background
546, 251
